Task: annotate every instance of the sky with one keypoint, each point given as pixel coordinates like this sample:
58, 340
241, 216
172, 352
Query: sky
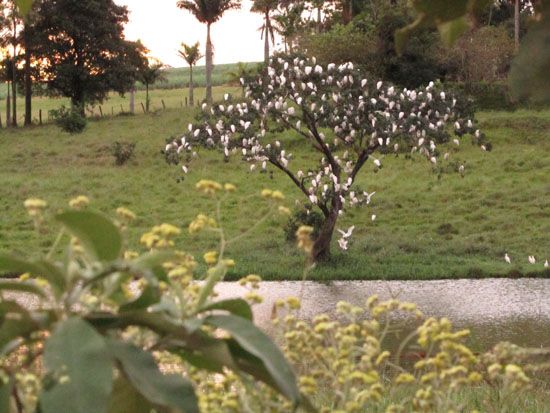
162, 26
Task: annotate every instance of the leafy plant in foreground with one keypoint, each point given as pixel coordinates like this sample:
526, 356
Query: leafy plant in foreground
92, 325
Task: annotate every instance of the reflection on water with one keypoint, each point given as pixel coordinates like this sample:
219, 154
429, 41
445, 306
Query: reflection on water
494, 309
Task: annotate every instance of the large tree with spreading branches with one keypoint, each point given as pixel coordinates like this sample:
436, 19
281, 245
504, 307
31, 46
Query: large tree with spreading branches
82, 50
346, 119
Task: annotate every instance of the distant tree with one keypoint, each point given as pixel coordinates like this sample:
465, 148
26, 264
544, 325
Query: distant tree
82, 49
191, 54
345, 119
10, 26
266, 7
243, 70
149, 74
208, 12
288, 22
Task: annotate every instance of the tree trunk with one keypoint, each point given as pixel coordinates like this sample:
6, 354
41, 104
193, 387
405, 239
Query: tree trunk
28, 79
319, 22
516, 25
321, 246
266, 40
147, 97
14, 75
209, 63
8, 107
191, 91
133, 100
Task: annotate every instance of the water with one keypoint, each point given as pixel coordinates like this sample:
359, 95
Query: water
494, 309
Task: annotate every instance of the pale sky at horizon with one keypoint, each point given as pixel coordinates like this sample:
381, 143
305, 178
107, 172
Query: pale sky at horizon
162, 26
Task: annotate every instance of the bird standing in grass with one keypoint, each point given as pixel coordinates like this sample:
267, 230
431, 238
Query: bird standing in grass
507, 258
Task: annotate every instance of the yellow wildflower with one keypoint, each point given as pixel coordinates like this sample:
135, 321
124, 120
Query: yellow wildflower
284, 210
79, 202
404, 378
266, 193
277, 195
208, 187
125, 214
230, 187
211, 257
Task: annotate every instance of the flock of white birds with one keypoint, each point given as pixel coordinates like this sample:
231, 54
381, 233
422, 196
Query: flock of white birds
342, 116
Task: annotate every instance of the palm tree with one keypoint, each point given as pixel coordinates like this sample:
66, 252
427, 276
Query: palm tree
265, 7
208, 12
149, 75
191, 54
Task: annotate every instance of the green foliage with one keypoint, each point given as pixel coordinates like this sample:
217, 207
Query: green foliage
123, 152
303, 216
481, 55
70, 120
93, 336
71, 39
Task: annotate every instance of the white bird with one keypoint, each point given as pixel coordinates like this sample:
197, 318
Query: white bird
347, 234
185, 170
532, 259
378, 163
507, 258
546, 264
461, 169
373, 217
343, 243
456, 142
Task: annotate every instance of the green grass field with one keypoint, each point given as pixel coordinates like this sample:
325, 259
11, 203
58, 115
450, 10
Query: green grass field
426, 228
173, 91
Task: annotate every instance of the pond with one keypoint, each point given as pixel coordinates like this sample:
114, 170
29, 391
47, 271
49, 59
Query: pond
494, 309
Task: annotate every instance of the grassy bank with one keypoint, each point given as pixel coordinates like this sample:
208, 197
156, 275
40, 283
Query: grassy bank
426, 228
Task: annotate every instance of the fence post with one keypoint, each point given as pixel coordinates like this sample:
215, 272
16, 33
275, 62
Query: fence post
186, 102
101, 111
163, 104
112, 111
40, 117
143, 107
121, 108
0, 121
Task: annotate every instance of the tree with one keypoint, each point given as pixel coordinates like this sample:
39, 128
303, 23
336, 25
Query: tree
287, 23
343, 117
82, 49
208, 12
149, 74
191, 54
10, 26
266, 7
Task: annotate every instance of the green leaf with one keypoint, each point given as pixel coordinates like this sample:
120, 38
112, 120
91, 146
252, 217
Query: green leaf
170, 391
22, 286
44, 269
254, 341
98, 235
24, 6
5, 393
238, 307
126, 399
152, 263
148, 297
15, 322
79, 368
450, 31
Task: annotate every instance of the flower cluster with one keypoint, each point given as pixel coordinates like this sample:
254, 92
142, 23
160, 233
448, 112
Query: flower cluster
79, 202
160, 236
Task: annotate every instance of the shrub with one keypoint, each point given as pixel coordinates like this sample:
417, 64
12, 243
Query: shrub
123, 152
106, 319
303, 216
70, 120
